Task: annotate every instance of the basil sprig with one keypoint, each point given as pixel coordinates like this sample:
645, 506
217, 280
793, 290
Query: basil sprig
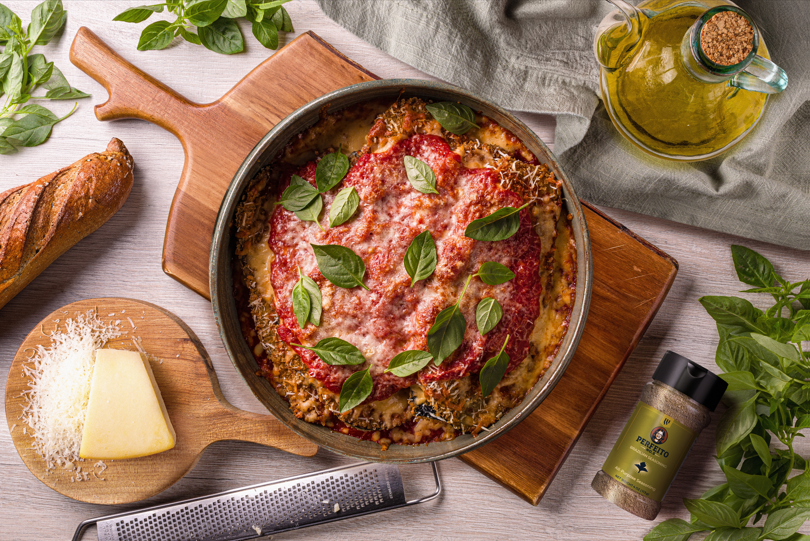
340, 265
336, 352
420, 175
355, 390
307, 301
22, 73
449, 327
344, 206
331, 170
488, 314
215, 22
420, 259
409, 362
494, 370
454, 117
500, 225
768, 373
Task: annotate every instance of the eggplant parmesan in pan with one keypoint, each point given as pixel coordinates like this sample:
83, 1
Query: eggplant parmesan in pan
407, 271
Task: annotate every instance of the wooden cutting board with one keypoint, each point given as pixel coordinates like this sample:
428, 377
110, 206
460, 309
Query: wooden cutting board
199, 413
631, 277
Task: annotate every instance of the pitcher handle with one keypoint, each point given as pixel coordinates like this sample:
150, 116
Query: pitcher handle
761, 75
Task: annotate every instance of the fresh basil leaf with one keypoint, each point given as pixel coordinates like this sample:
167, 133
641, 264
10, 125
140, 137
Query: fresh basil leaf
340, 265
409, 362
311, 212
731, 356
454, 117
420, 175
6, 147
336, 352
13, 83
716, 494
740, 380
316, 301
282, 21
773, 379
156, 36
301, 303
799, 395
266, 32
752, 268
757, 352
494, 274
783, 523
46, 20
747, 486
39, 70
298, 195
714, 514
66, 94
7, 18
331, 170
344, 206
738, 315
5, 64
673, 529
736, 423
761, 447
235, 9
420, 259
33, 128
446, 334
500, 225
355, 390
189, 36
782, 350
202, 13
734, 534
222, 36
801, 333
270, 5
804, 295
494, 370
138, 14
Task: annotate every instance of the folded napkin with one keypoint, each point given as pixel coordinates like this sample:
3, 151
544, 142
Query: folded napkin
537, 56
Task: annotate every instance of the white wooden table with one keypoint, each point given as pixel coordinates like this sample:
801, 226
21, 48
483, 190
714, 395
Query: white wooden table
123, 259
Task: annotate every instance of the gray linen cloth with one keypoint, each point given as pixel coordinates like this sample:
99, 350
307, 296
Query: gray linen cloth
537, 56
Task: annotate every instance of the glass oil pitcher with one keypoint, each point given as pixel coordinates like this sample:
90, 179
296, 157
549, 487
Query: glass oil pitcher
662, 87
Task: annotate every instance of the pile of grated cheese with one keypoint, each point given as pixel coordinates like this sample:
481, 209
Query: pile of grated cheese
59, 387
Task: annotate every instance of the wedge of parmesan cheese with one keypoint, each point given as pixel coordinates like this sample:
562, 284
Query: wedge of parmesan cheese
126, 416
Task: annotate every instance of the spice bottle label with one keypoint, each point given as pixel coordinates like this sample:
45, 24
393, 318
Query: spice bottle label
649, 452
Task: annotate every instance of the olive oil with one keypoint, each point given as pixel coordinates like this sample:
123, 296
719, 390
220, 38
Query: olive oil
657, 102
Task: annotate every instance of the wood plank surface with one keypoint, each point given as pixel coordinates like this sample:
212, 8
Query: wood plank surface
123, 258
199, 413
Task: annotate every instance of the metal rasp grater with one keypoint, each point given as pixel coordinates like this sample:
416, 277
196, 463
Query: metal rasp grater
268, 508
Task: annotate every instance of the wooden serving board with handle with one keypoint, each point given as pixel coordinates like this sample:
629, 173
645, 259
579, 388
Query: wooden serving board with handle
199, 413
631, 277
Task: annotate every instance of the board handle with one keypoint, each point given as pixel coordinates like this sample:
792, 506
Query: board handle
231, 423
130, 88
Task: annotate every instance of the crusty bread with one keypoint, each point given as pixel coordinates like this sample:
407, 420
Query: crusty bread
42, 220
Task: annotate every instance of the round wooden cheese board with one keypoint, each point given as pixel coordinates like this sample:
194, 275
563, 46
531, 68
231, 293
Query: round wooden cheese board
199, 413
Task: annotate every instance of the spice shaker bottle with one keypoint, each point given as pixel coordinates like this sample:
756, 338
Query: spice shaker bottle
672, 412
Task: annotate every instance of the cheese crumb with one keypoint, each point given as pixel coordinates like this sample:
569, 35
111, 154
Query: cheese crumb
59, 386
337, 508
257, 529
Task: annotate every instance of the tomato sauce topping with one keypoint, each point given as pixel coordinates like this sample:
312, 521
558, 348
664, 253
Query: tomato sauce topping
392, 317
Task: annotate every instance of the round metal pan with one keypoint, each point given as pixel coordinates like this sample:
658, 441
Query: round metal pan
221, 279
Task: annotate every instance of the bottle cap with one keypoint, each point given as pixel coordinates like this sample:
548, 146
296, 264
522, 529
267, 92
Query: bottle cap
691, 379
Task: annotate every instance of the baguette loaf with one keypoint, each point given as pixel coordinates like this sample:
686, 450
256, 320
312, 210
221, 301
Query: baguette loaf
42, 220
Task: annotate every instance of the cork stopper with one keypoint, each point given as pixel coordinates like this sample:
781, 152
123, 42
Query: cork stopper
727, 38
